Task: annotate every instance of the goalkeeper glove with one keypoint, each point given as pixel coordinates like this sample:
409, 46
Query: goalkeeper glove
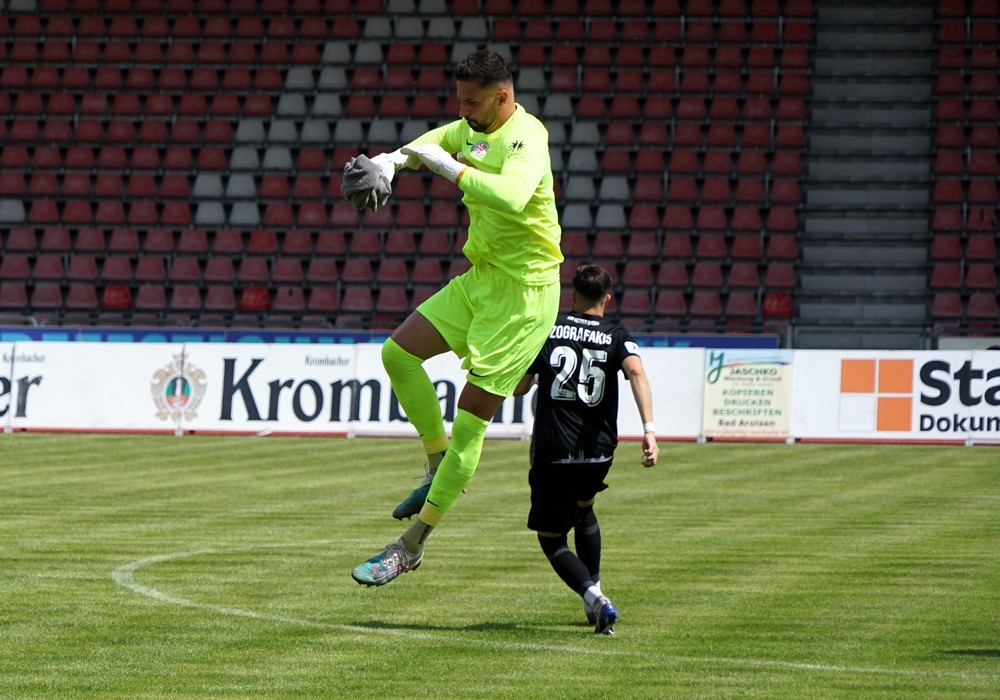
365, 184
437, 160
389, 163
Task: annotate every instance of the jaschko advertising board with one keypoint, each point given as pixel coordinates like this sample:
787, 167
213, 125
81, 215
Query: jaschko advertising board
272, 389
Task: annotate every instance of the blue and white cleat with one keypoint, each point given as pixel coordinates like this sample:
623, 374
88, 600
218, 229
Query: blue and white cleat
606, 616
394, 560
412, 504
591, 612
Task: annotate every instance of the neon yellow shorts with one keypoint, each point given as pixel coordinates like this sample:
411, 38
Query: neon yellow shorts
495, 323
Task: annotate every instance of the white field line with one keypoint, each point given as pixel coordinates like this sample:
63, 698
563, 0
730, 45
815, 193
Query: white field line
124, 576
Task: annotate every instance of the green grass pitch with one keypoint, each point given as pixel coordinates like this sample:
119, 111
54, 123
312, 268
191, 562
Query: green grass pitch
158, 566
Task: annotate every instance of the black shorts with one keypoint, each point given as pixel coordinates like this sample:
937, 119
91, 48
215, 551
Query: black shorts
555, 490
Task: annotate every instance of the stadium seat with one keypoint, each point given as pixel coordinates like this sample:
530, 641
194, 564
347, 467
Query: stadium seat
750, 190
979, 220
946, 246
781, 246
219, 270
743, 274
14, 266
219, 299
777, 305
980, 276
716, 190
426, 271
982, 192
289, 300
356, 300
634, 306
782, 219
705, 303
48, 267
670, 304
780, 275
672, 274
980, 247
255, 299
55, 239
706, 274
150, 298
982, 309
682, 190
745, 218
13, 295
322, 300
185, 298
717, 162
684, 161
116, 297
712, 218
741, 304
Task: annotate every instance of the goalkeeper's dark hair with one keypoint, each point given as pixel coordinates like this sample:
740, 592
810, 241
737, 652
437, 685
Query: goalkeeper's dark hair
484, 67
592, 282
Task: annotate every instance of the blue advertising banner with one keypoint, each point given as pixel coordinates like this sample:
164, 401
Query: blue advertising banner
17, 334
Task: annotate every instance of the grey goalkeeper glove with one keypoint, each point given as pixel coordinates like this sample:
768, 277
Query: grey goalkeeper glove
365, 184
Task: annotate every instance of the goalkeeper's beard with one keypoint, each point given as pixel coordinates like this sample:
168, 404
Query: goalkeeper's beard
478, 127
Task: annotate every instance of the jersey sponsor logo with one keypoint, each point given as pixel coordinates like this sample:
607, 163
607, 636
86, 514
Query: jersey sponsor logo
516, 146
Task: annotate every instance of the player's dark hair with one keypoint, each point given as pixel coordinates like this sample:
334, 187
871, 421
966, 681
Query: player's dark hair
484, 67
591, 282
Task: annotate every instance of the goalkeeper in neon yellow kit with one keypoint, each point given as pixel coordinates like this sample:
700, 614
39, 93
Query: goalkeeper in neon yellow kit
497, 315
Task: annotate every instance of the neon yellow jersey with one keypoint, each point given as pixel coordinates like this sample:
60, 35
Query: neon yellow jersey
513, 223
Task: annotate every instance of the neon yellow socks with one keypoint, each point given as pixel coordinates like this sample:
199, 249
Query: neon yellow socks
416, 395
459, 463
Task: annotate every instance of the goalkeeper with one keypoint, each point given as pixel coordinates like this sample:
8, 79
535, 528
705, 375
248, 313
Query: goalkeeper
497, 315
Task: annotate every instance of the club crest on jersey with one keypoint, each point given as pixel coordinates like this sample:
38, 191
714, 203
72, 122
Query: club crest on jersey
479, 149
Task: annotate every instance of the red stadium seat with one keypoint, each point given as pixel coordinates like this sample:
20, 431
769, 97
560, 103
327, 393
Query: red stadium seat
982, 309
946, 305
946, 276
116, 297
743, 275
780, 275
706, 274
781, 247
255, 299
710, 246
705, 303
670, 303
741, 304
672, 274
980, 247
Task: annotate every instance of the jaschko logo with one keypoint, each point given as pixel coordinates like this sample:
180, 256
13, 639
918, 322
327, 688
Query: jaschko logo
876, 395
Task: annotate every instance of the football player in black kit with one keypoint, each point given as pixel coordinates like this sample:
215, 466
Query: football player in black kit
576, 432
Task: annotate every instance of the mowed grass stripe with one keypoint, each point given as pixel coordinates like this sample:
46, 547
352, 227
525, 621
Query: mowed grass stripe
741, 571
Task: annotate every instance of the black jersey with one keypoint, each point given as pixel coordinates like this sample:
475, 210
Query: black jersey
576, 417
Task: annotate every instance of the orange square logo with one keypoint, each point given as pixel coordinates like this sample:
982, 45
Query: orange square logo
857, 376
893, 413
895, 376
876, 395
